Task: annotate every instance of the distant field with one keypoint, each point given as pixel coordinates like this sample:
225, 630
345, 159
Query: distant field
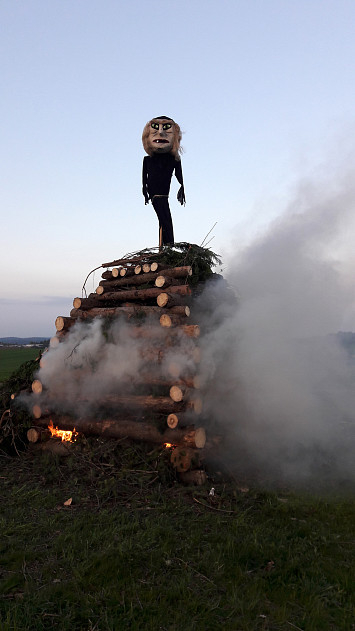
12, 358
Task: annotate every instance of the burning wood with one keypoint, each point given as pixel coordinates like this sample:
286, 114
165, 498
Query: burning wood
142, 431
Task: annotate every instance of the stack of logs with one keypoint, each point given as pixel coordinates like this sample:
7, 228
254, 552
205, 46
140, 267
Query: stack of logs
154, 299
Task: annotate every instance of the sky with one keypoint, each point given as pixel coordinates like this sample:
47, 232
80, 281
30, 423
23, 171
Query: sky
262, 89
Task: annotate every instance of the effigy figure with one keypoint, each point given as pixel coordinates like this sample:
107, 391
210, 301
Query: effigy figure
161, 140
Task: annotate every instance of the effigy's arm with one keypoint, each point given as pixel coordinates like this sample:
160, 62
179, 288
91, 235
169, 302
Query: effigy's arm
181, 191
145, 180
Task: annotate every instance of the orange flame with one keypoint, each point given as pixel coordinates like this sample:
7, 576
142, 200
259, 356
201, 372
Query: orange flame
64, 435
168, 445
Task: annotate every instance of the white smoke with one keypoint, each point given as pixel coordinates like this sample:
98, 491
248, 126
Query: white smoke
280, 382
100, 359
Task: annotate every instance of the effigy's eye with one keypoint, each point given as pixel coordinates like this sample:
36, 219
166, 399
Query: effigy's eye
167, 126
155, 126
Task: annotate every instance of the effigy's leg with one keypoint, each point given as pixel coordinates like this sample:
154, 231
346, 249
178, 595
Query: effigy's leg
161, 207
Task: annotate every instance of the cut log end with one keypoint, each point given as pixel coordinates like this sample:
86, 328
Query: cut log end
172, 421
176, 393
138, 269
100, 290
165, 320
115, 272
146, 268
37, 435
59, 323
181, 458
37, 386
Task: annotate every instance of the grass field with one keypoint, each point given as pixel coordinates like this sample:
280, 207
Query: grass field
136, 550
11, 358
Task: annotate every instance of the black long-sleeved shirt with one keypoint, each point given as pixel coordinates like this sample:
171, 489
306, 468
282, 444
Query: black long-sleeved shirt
157, 173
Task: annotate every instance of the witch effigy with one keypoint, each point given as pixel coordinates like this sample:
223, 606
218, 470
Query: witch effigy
161, 140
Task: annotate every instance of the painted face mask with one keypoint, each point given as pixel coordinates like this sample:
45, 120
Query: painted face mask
161, 135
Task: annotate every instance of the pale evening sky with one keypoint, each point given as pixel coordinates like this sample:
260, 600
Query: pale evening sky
263, 89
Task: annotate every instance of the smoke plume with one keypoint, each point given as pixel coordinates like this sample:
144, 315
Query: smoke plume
281, 383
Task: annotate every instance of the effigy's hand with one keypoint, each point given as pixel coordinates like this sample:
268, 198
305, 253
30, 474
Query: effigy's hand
181, 196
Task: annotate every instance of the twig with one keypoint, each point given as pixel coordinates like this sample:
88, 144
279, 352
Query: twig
92, 271
214, 225
294, 626
3, 415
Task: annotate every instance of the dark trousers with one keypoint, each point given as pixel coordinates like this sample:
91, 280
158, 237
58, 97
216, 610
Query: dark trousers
161, 207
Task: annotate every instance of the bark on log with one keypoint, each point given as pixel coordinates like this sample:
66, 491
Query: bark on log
134, 259
172, 321
141, 403
196, 477
112, 428
128, 312
150, 276
55, 447
63, 323
172, 298
143, 294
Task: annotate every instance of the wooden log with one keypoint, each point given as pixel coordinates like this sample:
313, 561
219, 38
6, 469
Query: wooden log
141, 279
172, 421
147, 403
181, 458
107, 275
178, 392
122, 311
55, 447
38, 434
171, 319
116, 272
134, 259
195, 477
163, 281
182, 419
138, 269
146, 268
38, 410
144, 294
63, 323
171, 298
113, 428
99, 290
37, 386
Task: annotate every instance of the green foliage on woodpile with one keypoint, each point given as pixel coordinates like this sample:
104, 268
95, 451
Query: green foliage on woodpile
202, 260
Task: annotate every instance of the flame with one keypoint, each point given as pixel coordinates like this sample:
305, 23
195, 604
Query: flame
64, 435
168, 445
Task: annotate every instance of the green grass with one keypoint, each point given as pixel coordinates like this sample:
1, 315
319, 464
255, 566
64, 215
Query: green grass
136, 550
12, 358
